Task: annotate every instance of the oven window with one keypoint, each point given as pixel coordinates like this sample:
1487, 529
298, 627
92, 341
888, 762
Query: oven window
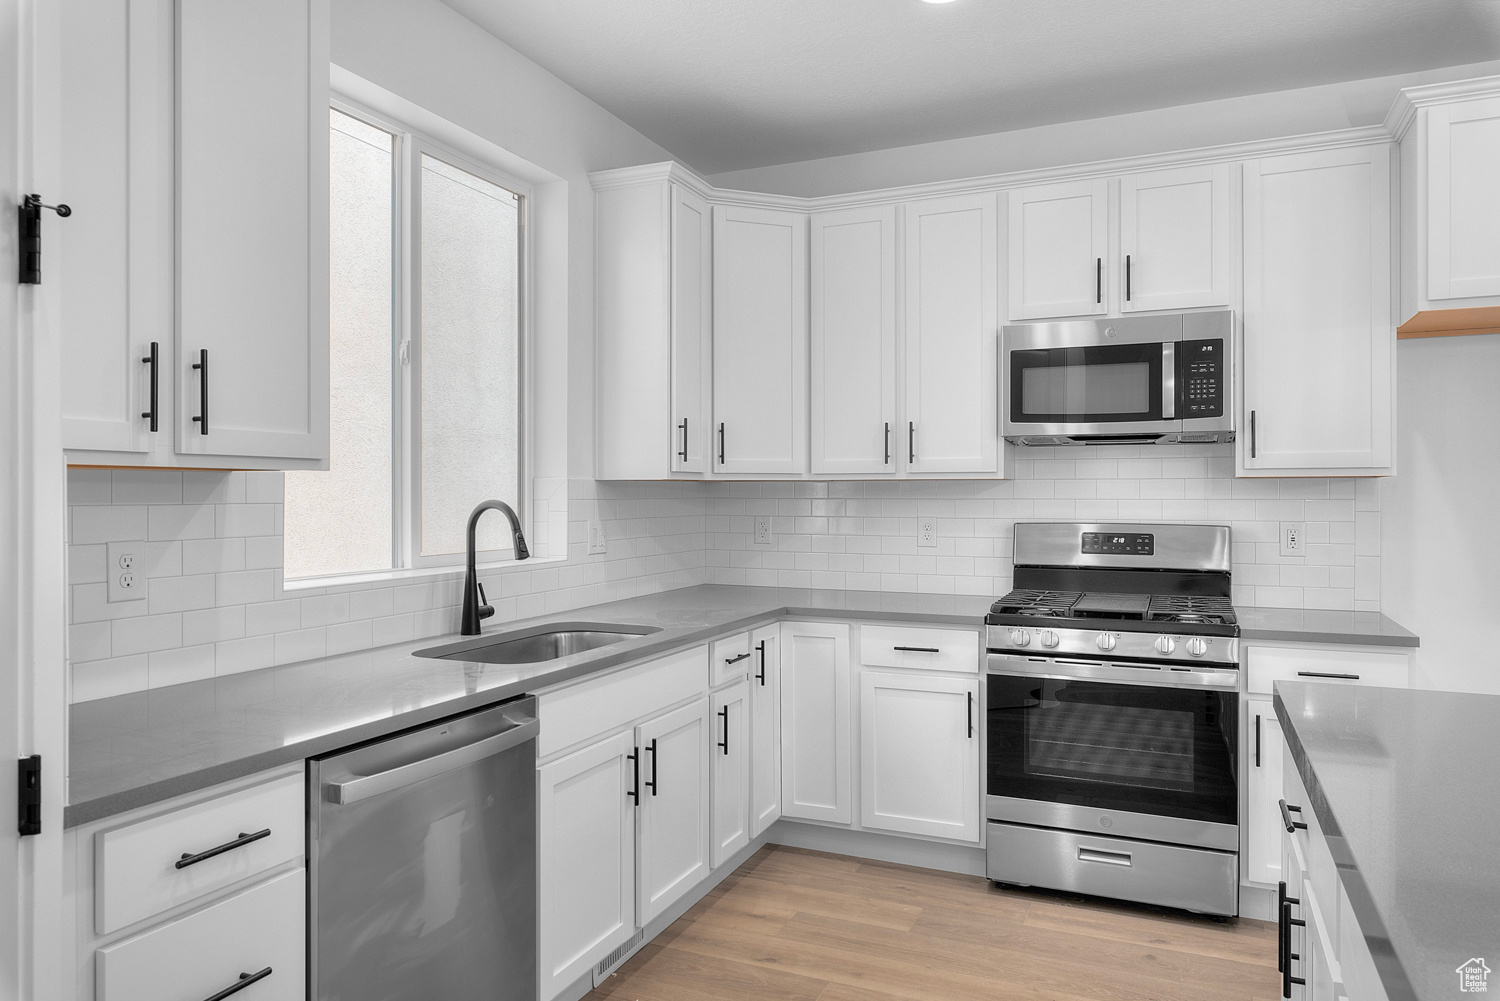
1103, 384
1137, 748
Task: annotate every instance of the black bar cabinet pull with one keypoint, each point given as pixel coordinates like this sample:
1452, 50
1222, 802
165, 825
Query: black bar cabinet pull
1283, 933
1252, 434
971, 715
1127, 277
1098, 279
725, 714
683, 453
736, 659
1257, 740
634, 792
761, 675
888, 444
652, 748
188, 858
1286, 817
202, 365
246, 979
721, 443
1287, 980
1325, 674
911, 441
152, 360
917, 649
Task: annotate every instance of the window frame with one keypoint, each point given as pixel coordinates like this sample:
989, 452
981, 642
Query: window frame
406, 303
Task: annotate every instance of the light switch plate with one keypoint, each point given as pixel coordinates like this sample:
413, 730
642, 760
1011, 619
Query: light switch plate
123, 572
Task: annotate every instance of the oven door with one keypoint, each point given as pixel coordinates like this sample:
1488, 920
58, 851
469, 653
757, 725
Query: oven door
1083, 749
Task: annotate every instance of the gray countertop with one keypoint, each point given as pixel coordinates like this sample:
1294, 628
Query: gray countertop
1318, 625
1406, 786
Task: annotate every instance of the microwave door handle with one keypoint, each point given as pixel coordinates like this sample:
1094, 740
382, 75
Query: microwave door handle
1169, 380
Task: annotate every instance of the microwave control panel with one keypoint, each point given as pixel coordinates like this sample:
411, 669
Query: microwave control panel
1200, 379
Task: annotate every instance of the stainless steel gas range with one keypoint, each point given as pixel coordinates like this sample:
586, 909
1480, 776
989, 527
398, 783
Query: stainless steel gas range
1111, 714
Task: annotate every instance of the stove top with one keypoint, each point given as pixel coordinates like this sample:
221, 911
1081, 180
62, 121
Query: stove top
1071, 606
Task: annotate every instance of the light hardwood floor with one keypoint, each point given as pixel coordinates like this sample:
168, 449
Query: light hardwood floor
795, 925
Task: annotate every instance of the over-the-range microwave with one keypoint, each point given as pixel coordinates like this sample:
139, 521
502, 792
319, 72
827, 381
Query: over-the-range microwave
1165, 378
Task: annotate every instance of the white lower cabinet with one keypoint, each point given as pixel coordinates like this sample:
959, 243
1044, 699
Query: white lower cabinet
729, 757
765, 728
672, 846
1262, 858
919, 754
815, 717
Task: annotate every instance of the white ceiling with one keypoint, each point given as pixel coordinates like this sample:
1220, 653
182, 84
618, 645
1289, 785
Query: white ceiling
726, 86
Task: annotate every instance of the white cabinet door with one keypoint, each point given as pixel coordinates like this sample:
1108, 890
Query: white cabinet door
1059, 236
1263, 827
252, 228
113, 256
673, 838
952, 337
1175, 249
815, 763
1318, 340
760, 340
765, 728
853, 284
585, 858
919, 754
692, 320
1463, 200
730, 751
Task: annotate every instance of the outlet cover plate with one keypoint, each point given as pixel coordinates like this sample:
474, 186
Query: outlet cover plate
598, 544
927, 531
123, 571
762, 530
1293, 538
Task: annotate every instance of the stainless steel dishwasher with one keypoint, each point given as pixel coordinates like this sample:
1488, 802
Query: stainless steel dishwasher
422, 870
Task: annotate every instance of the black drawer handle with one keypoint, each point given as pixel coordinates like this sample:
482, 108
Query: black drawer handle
887, 445
1287, 980
152, 359
202, 366
917, 649
246, 979
634, 757
725, 742
1326, 674
761, 676
1257, 740
188, 858
652, 748
721, 443
1286, 818
1283, 935
911, 442
736, 660
971, 715
684, 453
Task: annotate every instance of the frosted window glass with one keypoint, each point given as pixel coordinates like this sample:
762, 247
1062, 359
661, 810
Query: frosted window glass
339, 520
469, 354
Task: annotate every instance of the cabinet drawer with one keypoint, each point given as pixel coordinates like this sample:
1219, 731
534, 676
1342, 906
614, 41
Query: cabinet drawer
1318, 859
137, 874
728, 659
200, 954
924, 649
595, 707
1269, 664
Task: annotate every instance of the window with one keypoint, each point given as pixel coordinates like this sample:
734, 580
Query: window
427, 341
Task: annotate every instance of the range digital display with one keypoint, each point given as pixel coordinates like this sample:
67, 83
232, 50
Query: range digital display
1119, 543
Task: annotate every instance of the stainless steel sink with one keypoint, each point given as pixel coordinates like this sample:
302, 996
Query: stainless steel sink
537, 644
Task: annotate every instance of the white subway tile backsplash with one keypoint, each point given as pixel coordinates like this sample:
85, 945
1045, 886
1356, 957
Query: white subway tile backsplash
246, 586
240, 520
180, 521
248, 654
210, 625
102, 679
180, 665
146, 633
208, 487
113, 523
146, 486
179, 594
212, 555
264, 553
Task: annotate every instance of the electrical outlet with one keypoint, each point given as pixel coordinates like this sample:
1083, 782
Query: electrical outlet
125, 580
598, 544
762, 530
926, 531
1292, 533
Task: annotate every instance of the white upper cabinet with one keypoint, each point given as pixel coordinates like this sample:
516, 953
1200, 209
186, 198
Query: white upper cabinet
1059, 237
951, 375
760, 340
252, 229
1175, 246
1318, 339
692, 377
854, 361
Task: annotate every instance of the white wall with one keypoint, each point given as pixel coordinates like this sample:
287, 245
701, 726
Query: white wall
1210, 123
1440, 533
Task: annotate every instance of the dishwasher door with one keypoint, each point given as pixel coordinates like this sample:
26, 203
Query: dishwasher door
422, 863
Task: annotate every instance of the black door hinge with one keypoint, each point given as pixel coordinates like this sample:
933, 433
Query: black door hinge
29, 225
29, 794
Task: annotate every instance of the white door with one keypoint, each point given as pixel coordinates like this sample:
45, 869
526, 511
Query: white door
112, 259
853, 287
674, 828
585, 858
692, 331
1175, 249
765, 728
919, 754
760, 340
1318, 339
1263, 828
1059, 235
729, 718
815, 735
252, 228
1463, 200
952, 332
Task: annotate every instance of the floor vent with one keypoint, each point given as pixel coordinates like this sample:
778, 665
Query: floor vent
610, 963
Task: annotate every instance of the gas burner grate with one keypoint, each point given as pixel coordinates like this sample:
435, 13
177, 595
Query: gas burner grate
1027, 601
1190, 609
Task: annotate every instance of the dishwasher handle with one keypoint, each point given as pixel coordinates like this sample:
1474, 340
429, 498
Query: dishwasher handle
366, 786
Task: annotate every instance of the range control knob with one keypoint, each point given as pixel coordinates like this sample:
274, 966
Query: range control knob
1020, 637
1166, 644
1106, 642
1197, 647
1048, 638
